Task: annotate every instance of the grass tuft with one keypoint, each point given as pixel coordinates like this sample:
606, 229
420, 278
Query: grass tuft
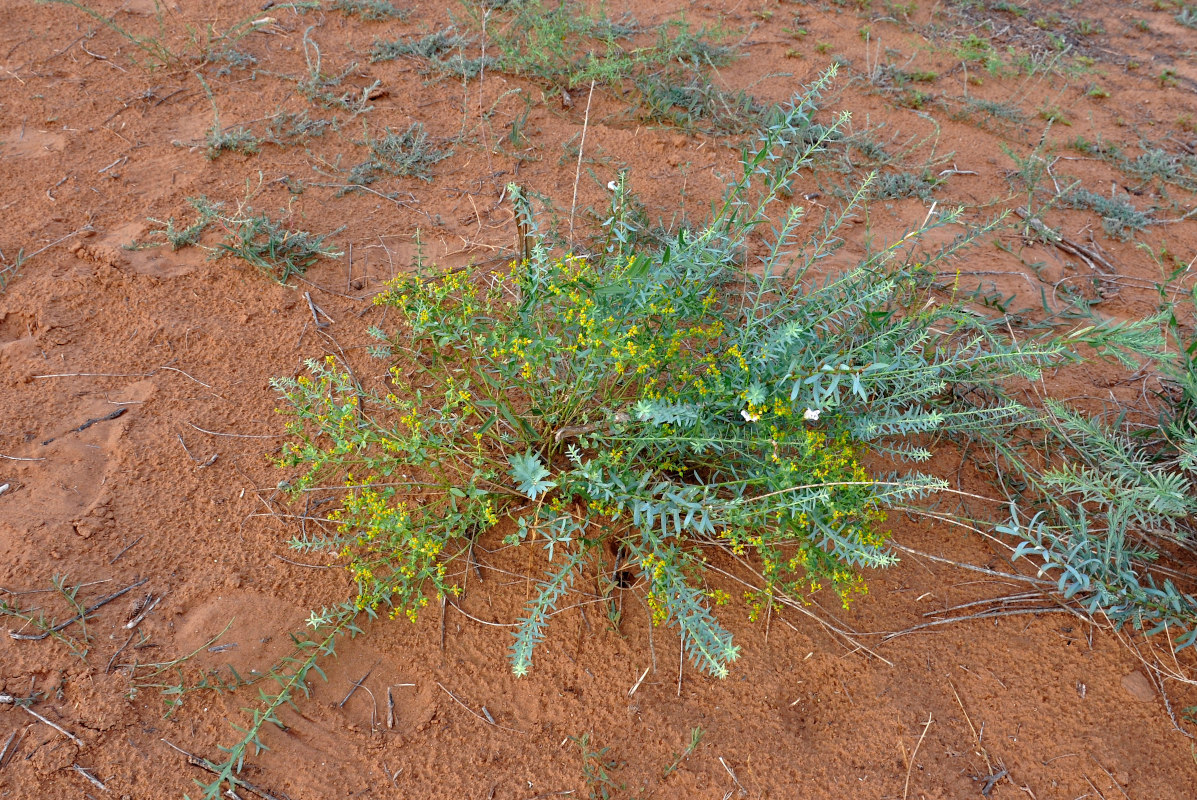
268, 244
429, 47
407, 154
373, 10
287, 128
1119, 217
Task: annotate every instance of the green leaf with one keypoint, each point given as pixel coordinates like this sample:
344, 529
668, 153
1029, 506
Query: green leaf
529, 474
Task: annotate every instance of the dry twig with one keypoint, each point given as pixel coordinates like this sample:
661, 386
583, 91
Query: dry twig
55, 726
913, 755
33, 637
474, 713
205, 764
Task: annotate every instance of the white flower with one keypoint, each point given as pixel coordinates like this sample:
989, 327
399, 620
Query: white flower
811, 415
613, 185
749, 416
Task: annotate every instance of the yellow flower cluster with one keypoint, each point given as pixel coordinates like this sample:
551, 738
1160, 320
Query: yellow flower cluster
654, 569
412, 420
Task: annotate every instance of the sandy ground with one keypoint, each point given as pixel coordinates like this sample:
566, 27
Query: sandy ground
176, 495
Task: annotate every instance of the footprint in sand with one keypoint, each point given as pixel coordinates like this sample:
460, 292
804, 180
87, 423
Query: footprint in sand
67, 492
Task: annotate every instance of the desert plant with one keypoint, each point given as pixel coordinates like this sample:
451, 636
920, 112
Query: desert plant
271, 245
286, 128
154, 50
597, 766
323, 87
1155, 162
266, 243
566, 45
429, 47
1172, 440
1119, 217
666, 69
409, 153
370, 9
897, 185
177, 237
9, 271
207, 46
623, 396
218, 139
235, 140
618, 388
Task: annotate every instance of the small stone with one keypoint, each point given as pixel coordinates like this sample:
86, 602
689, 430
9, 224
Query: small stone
1139, 687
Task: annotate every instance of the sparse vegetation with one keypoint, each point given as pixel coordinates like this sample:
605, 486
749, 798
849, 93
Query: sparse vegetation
1119, 217
233, 140
322, 87
667, 69
893, 186
431, 47
407, 154
266, 243
8, 271
287, 128
373, 10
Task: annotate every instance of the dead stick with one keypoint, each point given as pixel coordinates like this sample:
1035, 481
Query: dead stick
681, 661
112, 660
992, 781
743, 791
91, 422
55, 726
984, 753
1093, 259
4, 750
910, 763
573, 431
30, 637
357, 685
639, 681
983, 615
204, 763
94, 420
972, 567
1117, 785
126, 548
185, 450
475, 713
92, 778
317, 312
